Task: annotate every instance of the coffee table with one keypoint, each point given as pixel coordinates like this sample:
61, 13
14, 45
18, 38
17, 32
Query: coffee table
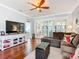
43, 50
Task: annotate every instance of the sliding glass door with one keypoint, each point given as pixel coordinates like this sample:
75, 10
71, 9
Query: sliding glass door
48, 27
52, 26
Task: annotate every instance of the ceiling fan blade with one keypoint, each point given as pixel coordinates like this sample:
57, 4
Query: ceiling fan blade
41, 3
45, 7
32, 4
33, 8
36, 8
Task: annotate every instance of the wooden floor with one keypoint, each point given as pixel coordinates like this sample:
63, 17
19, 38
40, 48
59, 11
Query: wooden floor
21, 50
31, 45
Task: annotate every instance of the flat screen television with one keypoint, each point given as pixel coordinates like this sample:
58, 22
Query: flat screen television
14, 27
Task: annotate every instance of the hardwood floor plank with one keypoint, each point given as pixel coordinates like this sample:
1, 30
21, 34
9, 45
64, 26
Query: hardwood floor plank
31, 45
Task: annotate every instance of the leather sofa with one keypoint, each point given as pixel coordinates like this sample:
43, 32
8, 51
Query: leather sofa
55, 41
68, 50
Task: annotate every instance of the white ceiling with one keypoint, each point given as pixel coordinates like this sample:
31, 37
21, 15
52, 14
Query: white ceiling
56, 7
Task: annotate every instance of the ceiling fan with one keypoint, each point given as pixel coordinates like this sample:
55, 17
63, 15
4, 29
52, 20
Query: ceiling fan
39, 6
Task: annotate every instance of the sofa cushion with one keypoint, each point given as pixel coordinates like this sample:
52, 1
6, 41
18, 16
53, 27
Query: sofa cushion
75, 41
68, 49
66, 55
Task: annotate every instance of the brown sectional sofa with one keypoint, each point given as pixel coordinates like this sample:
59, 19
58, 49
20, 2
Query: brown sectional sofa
60, 35
56, 39
68, 50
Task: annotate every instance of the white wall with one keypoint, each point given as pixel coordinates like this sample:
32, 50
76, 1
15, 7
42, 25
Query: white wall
7, 14
75, 15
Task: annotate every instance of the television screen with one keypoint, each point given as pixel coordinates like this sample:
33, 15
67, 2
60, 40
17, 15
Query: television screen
14, 27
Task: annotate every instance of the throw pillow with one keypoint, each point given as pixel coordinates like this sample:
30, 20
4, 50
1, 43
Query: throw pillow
68, 38
73, 35
75, 41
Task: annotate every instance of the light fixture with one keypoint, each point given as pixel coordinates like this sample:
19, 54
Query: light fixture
39, 5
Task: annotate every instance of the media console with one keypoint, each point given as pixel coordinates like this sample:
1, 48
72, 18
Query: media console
12, 46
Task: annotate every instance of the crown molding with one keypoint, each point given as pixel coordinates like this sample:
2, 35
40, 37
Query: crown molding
54, 15
12, 9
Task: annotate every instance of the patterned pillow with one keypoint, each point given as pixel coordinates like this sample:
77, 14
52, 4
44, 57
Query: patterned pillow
68, 39
73, 35
75, 41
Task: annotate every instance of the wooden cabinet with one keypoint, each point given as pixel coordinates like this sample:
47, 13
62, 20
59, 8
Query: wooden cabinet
16, 52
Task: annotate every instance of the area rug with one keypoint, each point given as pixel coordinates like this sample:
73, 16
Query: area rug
55, 53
